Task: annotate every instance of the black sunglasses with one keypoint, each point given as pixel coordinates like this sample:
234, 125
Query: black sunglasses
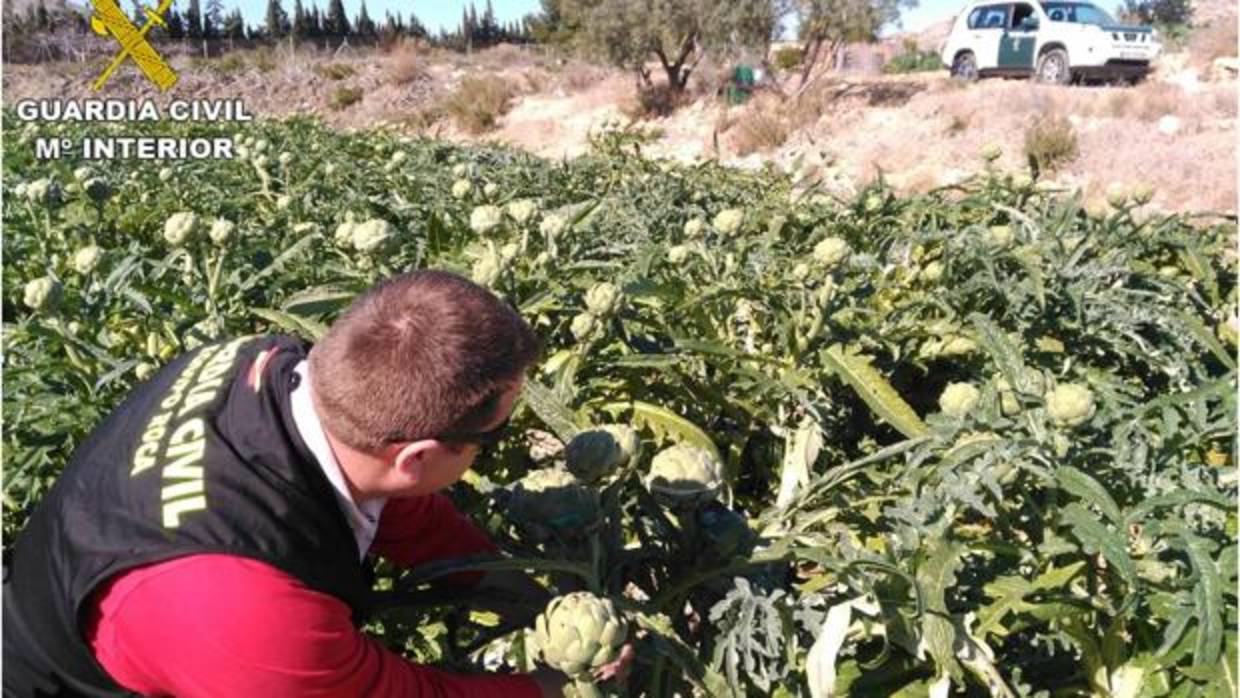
481, 439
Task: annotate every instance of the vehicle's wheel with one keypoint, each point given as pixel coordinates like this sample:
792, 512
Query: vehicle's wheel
1053, 67
965, 67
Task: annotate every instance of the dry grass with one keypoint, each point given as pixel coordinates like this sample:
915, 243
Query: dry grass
761, 126
334, 71
578, 76
1051, 142
1215, 40
478, 102
405, 63
345, 97
657, 101
1156, 100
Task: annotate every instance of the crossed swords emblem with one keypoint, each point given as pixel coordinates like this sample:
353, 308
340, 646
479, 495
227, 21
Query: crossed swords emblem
110, 19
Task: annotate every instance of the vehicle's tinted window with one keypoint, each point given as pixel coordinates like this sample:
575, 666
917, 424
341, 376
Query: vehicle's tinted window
1020, 11
1082, 13
989, 17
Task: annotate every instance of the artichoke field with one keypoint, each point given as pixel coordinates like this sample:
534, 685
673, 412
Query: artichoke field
781, 442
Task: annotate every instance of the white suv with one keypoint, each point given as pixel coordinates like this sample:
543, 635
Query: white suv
1055, 41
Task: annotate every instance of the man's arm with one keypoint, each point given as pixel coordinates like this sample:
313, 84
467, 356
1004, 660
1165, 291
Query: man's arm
216, 625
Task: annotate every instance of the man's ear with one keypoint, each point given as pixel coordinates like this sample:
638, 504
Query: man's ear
411, 459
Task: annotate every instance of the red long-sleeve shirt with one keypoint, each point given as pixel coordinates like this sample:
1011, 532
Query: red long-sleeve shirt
219, 625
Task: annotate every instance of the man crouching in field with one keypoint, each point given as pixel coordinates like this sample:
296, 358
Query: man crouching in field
210, 537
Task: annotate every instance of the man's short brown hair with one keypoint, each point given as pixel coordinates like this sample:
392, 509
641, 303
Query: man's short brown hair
418, 355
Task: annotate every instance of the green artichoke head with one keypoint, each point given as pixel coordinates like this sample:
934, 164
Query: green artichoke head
959, 399
222, 231
1070, 404
728, 221
522, 210
584, 327
180, 228
552, 225
579, 632
485, 219
603, 299
552, 500
86, 259
596, 453
684, 476
372, 236
831, 252
42, 294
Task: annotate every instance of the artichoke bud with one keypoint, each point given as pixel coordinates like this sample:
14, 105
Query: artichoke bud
578, 633
86, 259
553, 500
584, 327
729, 221
1070, 404
831, 252
603, 299
677, 254
97, 189
596, 453
727, 531
144, 370
488, 268
694, 228
180, 228
42, 294
684, 477
485, 219
959, 399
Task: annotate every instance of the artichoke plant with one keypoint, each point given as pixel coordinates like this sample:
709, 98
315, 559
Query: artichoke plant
684, 476
578, 633
595, 453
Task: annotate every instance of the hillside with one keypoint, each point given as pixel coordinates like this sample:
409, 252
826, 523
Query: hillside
1176, 131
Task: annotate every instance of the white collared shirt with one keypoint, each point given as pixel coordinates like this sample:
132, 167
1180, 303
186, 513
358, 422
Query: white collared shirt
363, 518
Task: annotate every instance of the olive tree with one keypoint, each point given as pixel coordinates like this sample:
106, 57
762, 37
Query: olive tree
829, 24
678, 34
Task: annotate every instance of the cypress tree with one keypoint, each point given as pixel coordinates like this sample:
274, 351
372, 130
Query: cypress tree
337, 22
193, 20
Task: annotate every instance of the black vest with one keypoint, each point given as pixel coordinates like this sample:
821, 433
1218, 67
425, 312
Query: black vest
203, 458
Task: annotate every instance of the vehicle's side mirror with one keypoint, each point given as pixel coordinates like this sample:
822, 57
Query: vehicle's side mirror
1029, 23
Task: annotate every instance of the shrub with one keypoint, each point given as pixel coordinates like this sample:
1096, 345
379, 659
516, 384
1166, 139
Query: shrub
345, 97
404, 67
265, 60
654, 102
334, 71
762, 126
913, 62
789, 57
478, 102
230, 63
1050, 142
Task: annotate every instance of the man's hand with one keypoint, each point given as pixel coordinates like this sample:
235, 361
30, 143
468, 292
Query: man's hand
619, 668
